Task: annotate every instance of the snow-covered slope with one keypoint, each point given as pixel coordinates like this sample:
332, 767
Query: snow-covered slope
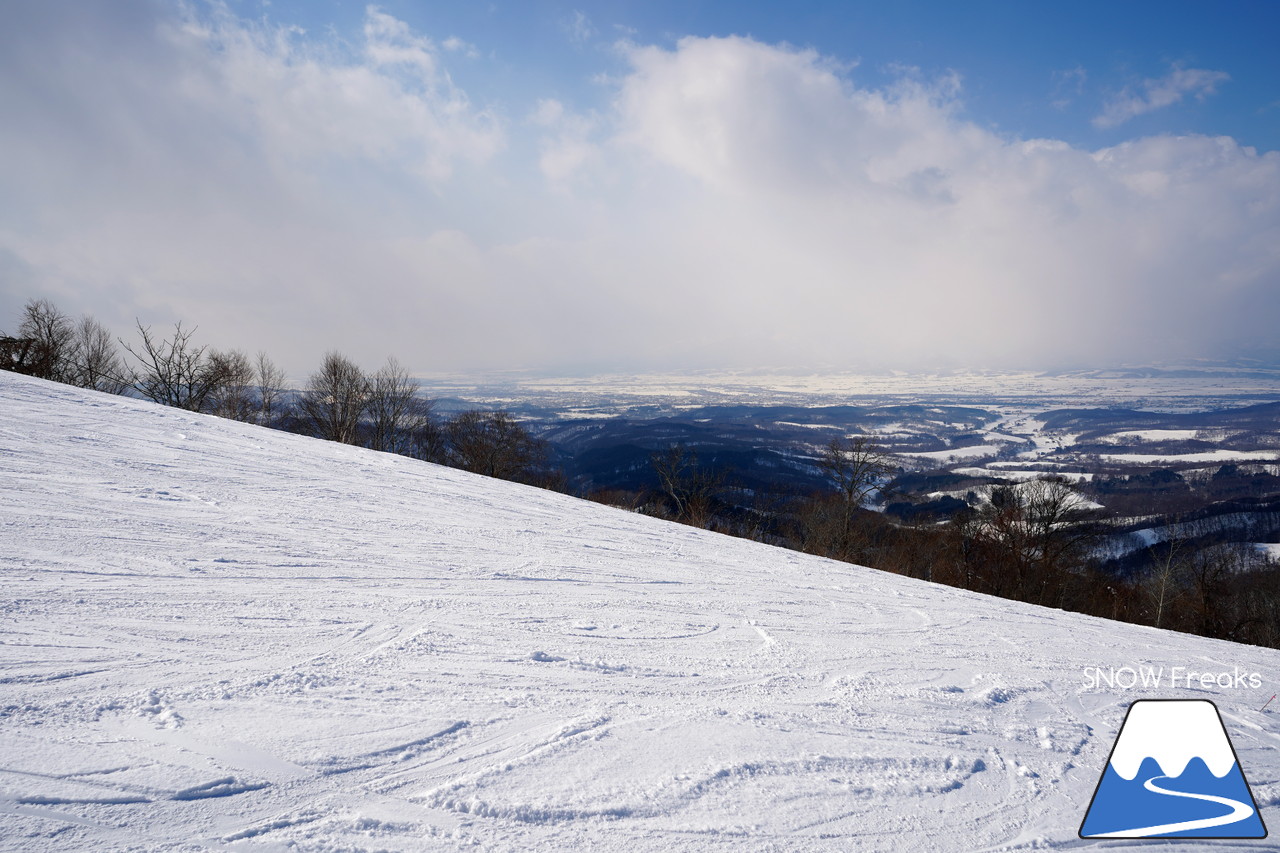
217, 636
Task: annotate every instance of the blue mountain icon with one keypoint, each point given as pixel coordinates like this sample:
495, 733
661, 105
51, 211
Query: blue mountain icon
1173, 774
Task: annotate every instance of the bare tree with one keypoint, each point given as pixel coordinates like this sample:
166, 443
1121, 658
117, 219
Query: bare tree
1259, 605
172, 371
52, 334
1170, 567
493, 444
17, 354
855, 467
232, 393
690, 487
96, 360
1209, 587
270, 380
1039, 529
335, 398
397, 415
429, 440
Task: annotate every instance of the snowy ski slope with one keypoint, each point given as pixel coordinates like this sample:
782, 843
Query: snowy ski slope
215, 636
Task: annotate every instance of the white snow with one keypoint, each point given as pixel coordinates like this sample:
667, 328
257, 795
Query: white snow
218, 636
976, 451
999, 436
1022, 475
1190, 458
1155, 434
808, 426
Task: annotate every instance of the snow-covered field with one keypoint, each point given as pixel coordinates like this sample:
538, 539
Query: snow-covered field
1215, 456
220, 637
956, 454
1008, 471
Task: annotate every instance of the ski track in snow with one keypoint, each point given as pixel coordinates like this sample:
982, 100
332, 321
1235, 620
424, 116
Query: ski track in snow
218, 636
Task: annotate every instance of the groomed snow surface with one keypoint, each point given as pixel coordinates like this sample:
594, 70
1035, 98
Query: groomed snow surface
216, 636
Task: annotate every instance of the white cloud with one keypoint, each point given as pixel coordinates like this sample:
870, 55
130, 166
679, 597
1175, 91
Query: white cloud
234, 175
731, 203
579, 27
568, 144
877, 224
389, 41
739, 115
1067, 86
453, 44
547, 113
1156, 94
397, 105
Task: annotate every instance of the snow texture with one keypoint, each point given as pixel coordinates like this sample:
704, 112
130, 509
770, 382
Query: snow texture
215, 636
1222, 456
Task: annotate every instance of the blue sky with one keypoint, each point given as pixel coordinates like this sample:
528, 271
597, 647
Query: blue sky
1029, 69
652, 185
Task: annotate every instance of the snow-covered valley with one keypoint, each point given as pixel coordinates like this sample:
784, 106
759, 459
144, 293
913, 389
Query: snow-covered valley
217, 636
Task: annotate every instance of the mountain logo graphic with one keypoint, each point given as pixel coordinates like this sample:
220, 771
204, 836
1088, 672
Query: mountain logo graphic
1173, 773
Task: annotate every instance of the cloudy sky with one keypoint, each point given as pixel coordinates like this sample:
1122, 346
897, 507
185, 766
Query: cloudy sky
651, 185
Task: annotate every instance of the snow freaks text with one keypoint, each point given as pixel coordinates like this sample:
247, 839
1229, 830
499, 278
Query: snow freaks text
1132, 677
